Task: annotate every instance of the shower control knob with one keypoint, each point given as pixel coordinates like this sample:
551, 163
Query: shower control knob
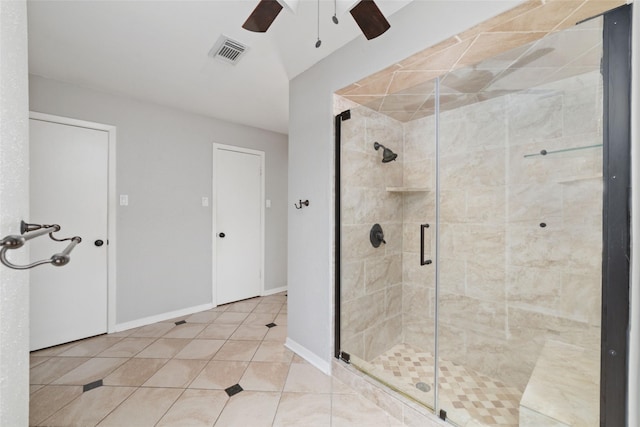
376, 236
221, 235
98, 243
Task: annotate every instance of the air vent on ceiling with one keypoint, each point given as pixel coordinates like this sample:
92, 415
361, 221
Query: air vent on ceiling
228, 50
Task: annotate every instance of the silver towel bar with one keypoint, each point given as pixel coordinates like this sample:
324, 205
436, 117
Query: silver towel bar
31, 231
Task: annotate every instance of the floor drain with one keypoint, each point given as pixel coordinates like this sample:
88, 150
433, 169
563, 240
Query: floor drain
423, 387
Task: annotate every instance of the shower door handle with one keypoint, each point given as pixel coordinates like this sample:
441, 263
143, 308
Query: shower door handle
422, 260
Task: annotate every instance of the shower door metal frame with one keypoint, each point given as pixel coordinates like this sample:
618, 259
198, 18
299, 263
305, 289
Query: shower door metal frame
616, 216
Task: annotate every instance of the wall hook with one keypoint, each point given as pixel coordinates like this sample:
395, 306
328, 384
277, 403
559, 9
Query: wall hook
302, 204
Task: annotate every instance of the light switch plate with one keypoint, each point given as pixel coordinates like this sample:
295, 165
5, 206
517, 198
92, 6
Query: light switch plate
124, 200
205, 202
268, 203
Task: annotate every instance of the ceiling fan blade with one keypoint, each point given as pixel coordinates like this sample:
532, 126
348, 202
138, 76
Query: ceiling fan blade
262, 16
369, 18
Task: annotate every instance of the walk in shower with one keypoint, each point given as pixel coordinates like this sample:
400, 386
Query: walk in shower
472, 248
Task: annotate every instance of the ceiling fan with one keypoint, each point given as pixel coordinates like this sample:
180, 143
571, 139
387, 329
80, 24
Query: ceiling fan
365, 12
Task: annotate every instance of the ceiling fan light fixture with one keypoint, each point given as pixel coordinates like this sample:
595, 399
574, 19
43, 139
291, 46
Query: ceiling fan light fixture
366, 13
370, 19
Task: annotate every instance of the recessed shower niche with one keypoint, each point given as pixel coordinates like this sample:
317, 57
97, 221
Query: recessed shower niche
497, 181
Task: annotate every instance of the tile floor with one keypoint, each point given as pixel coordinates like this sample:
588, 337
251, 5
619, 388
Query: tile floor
169, 374
464, 394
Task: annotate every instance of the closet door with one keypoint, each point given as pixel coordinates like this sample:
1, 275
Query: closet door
69, 187
238, 231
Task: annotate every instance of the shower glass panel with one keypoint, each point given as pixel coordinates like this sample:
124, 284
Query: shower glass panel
387, 296
476, 252
520, 256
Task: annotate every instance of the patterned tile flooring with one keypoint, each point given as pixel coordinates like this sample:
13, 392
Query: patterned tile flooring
168, 374
467, 397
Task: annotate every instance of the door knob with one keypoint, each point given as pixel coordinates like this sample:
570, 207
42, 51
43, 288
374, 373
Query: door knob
221, 235
98, 243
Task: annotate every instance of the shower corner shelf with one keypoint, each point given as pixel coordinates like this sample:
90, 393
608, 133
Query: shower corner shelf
407, 189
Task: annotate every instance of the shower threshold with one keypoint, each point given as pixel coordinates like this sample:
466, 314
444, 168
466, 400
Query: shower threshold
468, 398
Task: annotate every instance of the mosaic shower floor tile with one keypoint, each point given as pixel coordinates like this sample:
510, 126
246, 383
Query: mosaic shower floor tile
464, 394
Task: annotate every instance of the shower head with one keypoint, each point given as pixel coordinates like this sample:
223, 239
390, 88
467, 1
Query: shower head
387, 155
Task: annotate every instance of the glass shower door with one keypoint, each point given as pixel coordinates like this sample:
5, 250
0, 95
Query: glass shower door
520, 250
371, 221
387, 294
416, 356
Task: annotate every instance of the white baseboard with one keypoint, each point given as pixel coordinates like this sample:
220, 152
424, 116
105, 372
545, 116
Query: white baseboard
160, 317
274, 291
307, 355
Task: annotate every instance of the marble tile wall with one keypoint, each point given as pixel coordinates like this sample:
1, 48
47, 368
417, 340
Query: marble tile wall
371, 277
571, 402
507, 284
418, 284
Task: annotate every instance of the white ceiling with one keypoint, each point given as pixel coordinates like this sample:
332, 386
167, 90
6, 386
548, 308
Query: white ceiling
157, 51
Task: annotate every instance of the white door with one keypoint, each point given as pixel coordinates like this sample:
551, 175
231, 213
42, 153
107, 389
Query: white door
238, 235
68, 187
